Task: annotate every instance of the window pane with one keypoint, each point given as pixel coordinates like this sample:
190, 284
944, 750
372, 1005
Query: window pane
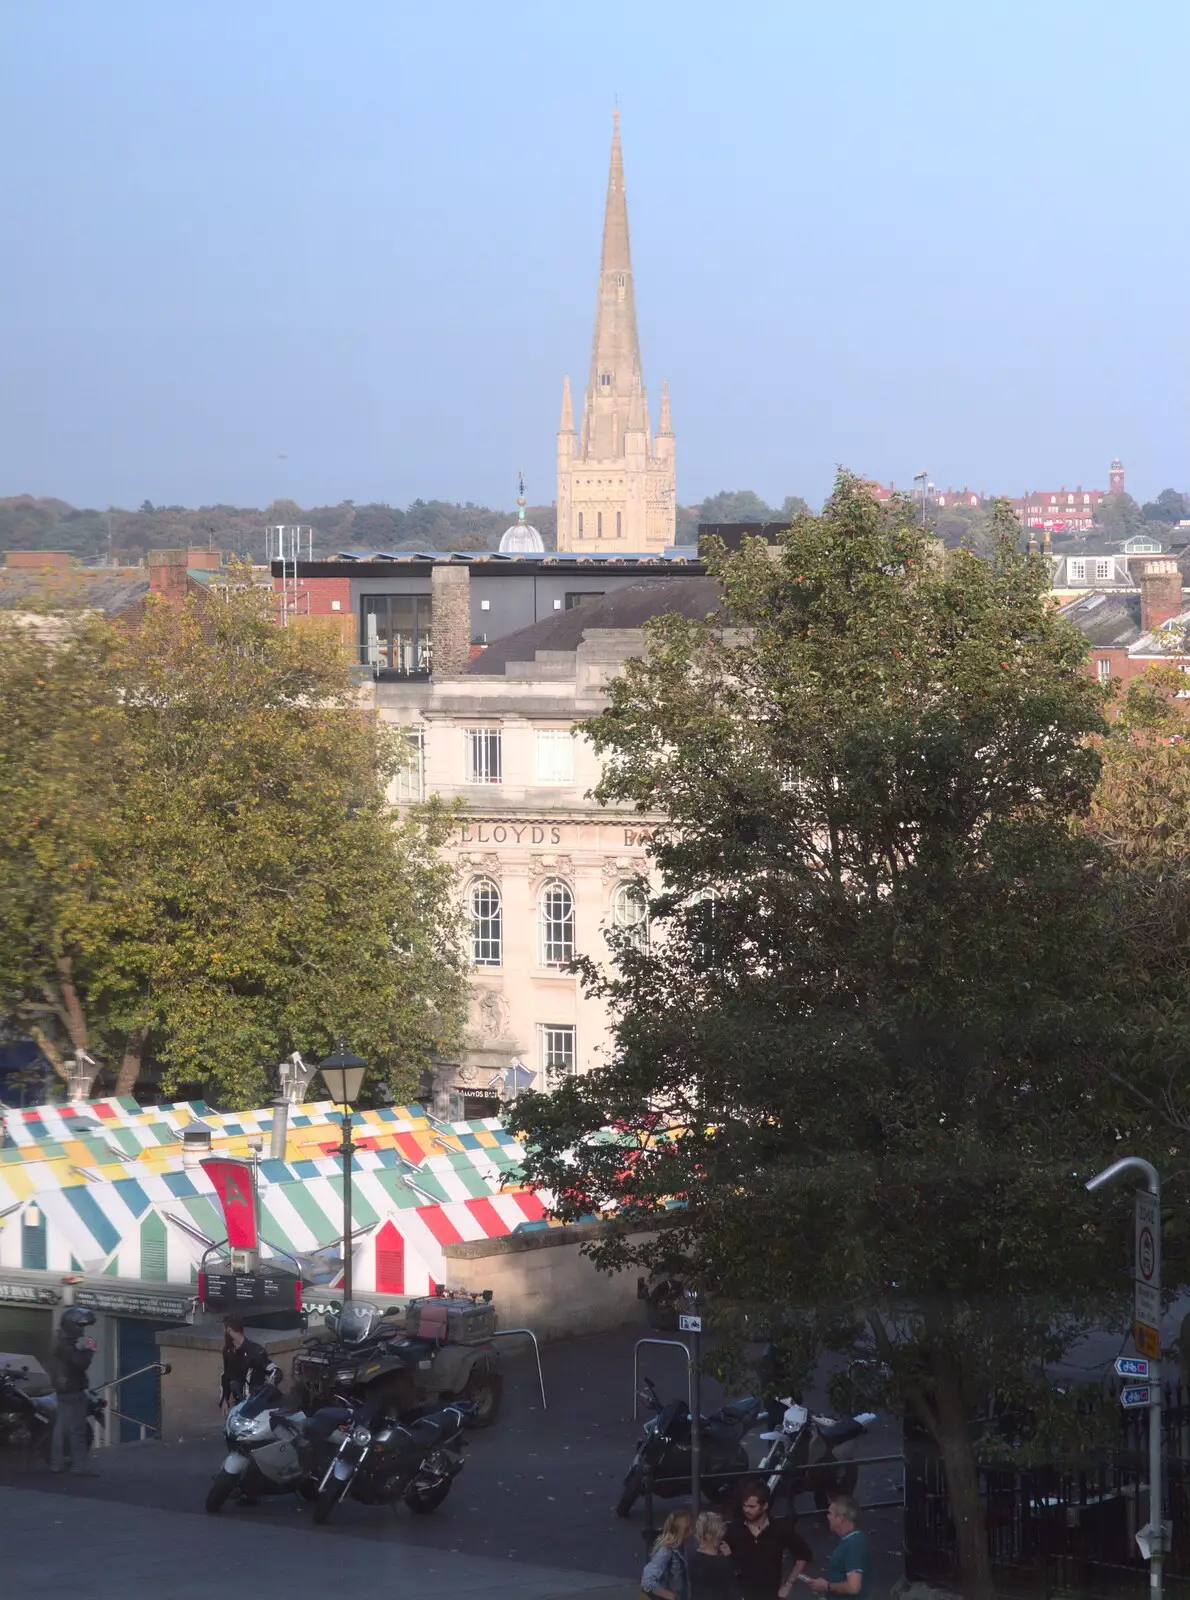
487, 924
556, 1046
374, 631
555, 756
557, 925
483, 755
630, 913
410, 784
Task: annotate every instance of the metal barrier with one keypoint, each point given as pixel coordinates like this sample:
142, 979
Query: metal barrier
527, 1333
162, 1368
674, 1344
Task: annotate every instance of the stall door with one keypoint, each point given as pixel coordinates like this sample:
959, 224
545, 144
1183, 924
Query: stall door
140, 1399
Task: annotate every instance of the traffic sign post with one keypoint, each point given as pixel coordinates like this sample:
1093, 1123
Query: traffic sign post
690, 1322
1147, 1332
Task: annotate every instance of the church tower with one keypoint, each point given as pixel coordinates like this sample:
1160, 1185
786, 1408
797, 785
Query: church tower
616, 486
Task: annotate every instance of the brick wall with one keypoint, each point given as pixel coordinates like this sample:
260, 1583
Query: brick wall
450, 620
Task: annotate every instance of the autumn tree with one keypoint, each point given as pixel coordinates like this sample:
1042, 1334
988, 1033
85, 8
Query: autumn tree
199, 869
863, 1013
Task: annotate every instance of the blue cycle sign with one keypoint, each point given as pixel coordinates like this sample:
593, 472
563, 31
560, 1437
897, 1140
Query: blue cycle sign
1136, 1396
1131, 1367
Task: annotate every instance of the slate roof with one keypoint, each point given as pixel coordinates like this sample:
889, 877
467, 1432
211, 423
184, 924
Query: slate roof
95, 589
629, 607
1106, 619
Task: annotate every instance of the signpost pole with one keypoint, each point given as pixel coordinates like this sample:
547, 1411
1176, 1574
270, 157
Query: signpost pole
1147, 1271
691, 1325
347, 1151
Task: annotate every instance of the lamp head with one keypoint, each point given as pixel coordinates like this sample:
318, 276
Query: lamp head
343, 1074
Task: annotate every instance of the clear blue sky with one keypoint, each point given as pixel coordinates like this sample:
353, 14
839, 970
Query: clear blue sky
363, 235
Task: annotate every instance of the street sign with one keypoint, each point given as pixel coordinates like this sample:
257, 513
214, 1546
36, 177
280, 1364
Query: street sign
1148, 1242
1147, 1340
1134, 1397
1147, 1305
1131, 1367
689, 1324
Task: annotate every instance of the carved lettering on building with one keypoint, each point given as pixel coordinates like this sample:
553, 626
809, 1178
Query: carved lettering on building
510, 833
638, 836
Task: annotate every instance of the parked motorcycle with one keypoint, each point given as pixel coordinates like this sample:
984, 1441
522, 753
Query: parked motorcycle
267, 1452
27, 1420
662, 1461
811, 1454
379, 1461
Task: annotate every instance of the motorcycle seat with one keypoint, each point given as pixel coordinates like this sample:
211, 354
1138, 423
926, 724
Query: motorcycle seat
736, 1410
840, 1432
323, 1423
429, 1431
414, 1348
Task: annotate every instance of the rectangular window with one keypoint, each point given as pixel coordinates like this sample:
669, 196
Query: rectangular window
483, 755
583, 598
1076, 571
556, 1046
617, 524
394, 633
1103, 667
599, 524
555, 756
410, 783
580, 524
1103, 570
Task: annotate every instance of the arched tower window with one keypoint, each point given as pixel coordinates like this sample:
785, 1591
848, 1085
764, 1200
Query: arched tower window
487, 924
630, 914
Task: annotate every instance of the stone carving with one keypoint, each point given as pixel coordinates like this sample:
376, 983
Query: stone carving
466, 1073
542, 866
618, 869
494, 1015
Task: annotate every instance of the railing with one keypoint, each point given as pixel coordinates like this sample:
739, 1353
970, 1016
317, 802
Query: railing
147, 1429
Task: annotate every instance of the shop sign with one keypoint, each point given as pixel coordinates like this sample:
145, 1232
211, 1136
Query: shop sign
28, 1294
135, 1303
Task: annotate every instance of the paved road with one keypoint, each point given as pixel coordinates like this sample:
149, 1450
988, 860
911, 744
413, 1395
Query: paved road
538, 1488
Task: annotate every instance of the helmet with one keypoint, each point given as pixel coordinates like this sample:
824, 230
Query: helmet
75, 1319
274, 1375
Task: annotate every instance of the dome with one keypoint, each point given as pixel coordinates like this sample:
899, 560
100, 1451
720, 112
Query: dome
522, 538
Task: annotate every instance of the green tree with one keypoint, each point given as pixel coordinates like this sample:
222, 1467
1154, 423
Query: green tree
864, 1014
199, 867
736, 505
1117, 516
1169, 507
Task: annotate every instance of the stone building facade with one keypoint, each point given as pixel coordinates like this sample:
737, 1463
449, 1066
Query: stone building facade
616, 478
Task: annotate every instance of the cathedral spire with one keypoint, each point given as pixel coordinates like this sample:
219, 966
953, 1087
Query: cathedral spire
615, 349
664, 425
567, 423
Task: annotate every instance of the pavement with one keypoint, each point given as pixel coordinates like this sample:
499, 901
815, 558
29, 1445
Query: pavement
529, 1517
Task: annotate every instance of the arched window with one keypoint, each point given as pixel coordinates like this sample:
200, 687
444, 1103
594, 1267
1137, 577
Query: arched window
487, 924
557, 924
630, 914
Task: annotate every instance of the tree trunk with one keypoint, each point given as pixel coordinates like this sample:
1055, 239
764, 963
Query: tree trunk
130, 1064
953, 1433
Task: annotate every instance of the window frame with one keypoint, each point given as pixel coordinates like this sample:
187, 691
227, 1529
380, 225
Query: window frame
492, 921
415, 661
636, 928
412, 777
548, 1033
551, 943
557, 739
492, 771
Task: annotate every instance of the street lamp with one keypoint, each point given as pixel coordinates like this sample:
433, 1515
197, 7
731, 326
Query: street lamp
343, 1074
1148, 1273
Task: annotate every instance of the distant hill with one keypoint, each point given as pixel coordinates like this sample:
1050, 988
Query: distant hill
28, 522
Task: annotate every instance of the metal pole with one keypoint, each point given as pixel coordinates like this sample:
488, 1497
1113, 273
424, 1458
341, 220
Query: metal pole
695, 1426
346, 1150
1152, 1179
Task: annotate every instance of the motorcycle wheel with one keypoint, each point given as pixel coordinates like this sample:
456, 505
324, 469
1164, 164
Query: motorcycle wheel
485, 1389
329, 1499
634, 1485
220, 1492
427, 1500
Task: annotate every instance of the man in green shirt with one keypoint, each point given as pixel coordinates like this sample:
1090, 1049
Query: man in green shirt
849, 1570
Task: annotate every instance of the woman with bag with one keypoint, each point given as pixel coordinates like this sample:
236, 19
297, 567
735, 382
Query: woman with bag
665, 1576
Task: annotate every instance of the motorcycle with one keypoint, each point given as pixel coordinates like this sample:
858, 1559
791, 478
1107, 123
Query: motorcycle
811, 1454
267, 1452
378, 1460
662, 1461
27, 1420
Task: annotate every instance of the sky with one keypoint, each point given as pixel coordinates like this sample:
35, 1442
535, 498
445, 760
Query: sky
347, 249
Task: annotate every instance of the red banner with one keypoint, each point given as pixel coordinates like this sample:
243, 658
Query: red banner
233, 1185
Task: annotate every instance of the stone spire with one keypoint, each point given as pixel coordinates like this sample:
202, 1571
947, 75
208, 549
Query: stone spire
567, 423
664, 424
615, 349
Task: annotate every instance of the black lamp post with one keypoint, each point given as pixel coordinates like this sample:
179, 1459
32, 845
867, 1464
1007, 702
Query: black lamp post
343, 1075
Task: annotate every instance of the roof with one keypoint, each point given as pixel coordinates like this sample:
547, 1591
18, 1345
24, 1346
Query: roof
597, 558
1108, 619
89, 589
628, 607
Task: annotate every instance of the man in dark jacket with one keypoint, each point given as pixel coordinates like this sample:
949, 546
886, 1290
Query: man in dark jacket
70, 1359
245, 1364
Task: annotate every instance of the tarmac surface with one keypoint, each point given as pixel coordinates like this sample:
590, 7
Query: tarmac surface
530, 1516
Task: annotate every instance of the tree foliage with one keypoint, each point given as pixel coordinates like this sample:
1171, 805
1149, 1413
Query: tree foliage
864, 1009
199, 868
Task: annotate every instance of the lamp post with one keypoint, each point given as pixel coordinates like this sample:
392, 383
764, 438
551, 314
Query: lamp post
343, 1074
1149, 1282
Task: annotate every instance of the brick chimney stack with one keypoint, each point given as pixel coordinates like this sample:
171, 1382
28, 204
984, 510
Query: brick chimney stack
450, 620
167, 574
1160, 593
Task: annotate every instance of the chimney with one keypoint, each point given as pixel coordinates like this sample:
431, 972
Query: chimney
1160, 593
167, 574
450, 620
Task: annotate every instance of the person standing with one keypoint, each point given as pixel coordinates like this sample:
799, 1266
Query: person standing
665, 1574
709, 1563
70, 1360
849, 1570
245, 1364
759, 1544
